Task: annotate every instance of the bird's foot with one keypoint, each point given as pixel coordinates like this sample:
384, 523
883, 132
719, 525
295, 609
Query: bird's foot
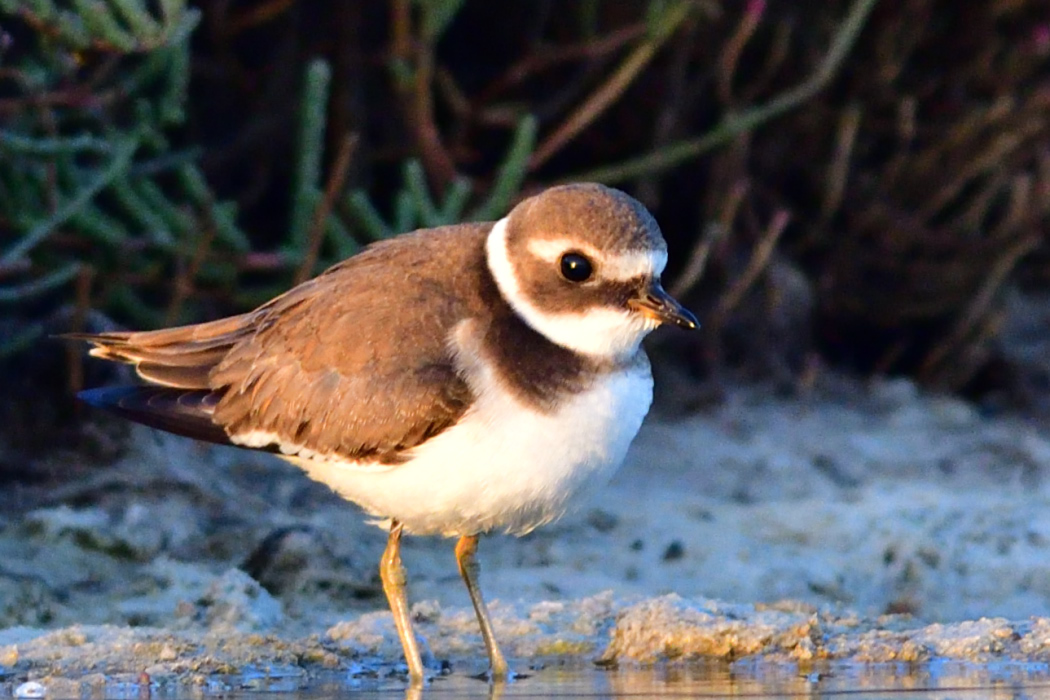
506, 676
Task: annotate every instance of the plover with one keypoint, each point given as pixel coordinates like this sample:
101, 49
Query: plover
453, 381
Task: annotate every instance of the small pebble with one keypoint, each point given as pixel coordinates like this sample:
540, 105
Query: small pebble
674, 551
602, 521
30, 689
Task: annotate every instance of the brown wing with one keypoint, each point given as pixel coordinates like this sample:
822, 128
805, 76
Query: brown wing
353, 363
180, 357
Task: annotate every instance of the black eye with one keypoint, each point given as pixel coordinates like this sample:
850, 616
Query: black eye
575, 267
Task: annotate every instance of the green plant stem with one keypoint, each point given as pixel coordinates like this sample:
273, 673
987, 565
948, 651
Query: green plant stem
455, 199
122, 156
311, 147
39, 286
48, 146
416, 184
511, 173
23, 340
366, 216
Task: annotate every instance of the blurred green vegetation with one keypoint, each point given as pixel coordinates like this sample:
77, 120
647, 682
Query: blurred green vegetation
165, 161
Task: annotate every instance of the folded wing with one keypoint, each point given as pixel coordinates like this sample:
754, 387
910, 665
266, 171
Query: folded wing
352, 365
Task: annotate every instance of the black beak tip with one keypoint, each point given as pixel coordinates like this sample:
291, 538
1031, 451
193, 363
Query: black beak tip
687, 320
664, 308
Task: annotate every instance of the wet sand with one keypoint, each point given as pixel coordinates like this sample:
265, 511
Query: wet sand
860, 523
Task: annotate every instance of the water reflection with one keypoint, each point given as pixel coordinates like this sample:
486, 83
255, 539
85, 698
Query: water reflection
930, 681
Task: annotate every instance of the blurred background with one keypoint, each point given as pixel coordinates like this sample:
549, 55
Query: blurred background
862, 184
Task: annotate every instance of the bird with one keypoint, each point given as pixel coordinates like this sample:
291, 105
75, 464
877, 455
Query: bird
455, 381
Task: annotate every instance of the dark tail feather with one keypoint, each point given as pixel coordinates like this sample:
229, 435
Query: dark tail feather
179, 411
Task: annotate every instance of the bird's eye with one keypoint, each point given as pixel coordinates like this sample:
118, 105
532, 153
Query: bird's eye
575, 267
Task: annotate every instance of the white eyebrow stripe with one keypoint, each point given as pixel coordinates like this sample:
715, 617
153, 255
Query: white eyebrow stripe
620, 267
552, 250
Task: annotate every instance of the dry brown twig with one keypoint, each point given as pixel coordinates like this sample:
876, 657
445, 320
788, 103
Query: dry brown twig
838, 172
264, 12
906, 129
776, 54
970, 320
997, 150
613, 88
333, 188
759, 261
716, 231
539, 61
186, 274
415, 53
82, 302
727, 62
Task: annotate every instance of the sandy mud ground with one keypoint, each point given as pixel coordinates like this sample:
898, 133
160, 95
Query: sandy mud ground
861, 522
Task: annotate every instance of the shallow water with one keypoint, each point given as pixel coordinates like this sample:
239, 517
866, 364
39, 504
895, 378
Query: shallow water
930, 681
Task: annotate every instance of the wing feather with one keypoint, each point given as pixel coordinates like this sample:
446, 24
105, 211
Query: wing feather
186, 413
328, 367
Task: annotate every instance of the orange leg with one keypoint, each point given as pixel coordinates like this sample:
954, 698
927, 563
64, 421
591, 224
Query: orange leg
466, 549
392, 573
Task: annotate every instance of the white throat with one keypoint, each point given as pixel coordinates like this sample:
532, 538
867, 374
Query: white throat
602, 332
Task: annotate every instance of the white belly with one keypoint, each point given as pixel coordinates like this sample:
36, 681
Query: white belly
504, 466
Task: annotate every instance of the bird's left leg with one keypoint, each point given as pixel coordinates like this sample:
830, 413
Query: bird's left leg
466, 549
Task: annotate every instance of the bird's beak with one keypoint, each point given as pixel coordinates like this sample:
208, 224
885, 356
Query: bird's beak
660, 306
